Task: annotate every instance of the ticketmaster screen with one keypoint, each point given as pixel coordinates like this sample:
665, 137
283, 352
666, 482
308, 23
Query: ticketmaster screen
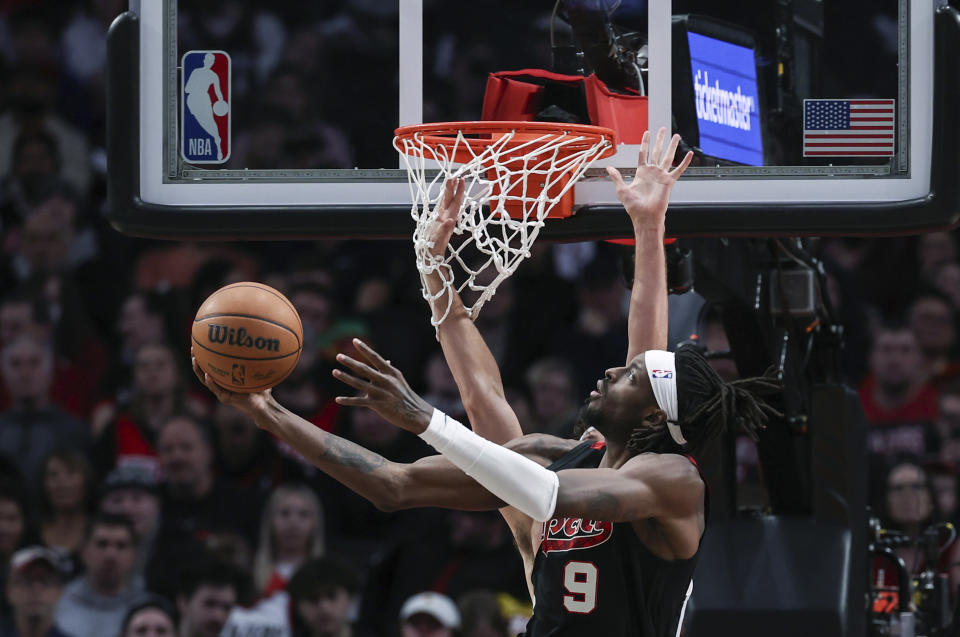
725, 91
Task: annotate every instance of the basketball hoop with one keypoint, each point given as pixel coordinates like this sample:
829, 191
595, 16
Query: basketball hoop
522, 172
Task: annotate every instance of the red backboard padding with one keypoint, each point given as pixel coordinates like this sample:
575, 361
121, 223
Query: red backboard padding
517, 95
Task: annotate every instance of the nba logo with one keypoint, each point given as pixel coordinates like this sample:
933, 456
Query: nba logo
205, 107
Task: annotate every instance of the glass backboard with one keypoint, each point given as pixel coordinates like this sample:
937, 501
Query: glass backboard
808, 117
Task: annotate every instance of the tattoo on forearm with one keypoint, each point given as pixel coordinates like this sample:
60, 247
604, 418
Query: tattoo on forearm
347, 454
606, 507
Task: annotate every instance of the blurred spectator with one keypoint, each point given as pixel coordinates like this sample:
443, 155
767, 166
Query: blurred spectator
32, 93
943, 481
429, 615
178, 266
909, 506
46, 239
207, 593
252, 616
481, 615
598, 338
229, 547
24, 313
66, 501
21, 314
194, 504
84, 49
33, 590
323, 593
35, 165
94, 604
145, 318
127, 430
555, 407
149, 616
13, 534
947, 282
291, 531
948, 420
246, 457
33, 426
932, 320
31, 35
935, 250
900, 406
131, 491
469, 551
324, 330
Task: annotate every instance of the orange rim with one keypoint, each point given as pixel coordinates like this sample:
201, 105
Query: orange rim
479, 135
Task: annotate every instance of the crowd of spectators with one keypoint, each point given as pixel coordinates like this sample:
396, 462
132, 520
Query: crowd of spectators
131, 503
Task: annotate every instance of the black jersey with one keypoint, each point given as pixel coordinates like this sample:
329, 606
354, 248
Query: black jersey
597, 578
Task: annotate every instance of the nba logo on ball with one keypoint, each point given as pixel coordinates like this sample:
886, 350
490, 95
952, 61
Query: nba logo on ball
205, 107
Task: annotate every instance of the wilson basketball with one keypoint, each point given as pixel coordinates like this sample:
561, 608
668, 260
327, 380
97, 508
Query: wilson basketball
247, 337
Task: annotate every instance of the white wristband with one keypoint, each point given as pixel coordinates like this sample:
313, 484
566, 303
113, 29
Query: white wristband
515, 479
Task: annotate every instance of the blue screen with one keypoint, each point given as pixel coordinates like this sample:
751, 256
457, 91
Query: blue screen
725, 92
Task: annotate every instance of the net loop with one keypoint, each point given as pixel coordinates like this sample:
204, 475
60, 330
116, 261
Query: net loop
515, 174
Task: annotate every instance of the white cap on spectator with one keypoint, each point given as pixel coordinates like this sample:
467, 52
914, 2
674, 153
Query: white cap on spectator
438, 606
27, 556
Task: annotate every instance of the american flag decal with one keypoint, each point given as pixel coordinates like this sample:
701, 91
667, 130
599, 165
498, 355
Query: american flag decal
848, 128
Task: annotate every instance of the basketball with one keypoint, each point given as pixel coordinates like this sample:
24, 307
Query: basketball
220, 108
247, 337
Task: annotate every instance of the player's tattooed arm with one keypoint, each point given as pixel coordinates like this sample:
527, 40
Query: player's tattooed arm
432, 481
648, 486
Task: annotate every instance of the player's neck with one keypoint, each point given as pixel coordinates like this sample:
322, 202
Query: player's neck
616, 455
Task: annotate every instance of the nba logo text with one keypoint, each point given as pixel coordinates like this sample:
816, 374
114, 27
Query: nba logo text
205, 107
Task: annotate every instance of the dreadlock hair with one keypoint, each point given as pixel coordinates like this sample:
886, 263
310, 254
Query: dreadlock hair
708, 405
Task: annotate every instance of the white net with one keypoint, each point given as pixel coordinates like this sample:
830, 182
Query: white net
517, 177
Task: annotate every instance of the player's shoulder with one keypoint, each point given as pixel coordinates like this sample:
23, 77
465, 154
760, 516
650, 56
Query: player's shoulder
665, 467
673, 478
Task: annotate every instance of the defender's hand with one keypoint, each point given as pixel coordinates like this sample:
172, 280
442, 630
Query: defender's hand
249, 403
383, 389
646, 197
448, 210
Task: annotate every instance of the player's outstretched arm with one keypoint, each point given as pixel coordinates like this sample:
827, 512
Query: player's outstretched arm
662, 486
471, 362
666, 486
433, 481
647, 486
645, 199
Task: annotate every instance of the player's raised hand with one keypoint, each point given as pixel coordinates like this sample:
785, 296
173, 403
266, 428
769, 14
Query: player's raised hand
382, 388
647, 195
447, 212
249, 403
